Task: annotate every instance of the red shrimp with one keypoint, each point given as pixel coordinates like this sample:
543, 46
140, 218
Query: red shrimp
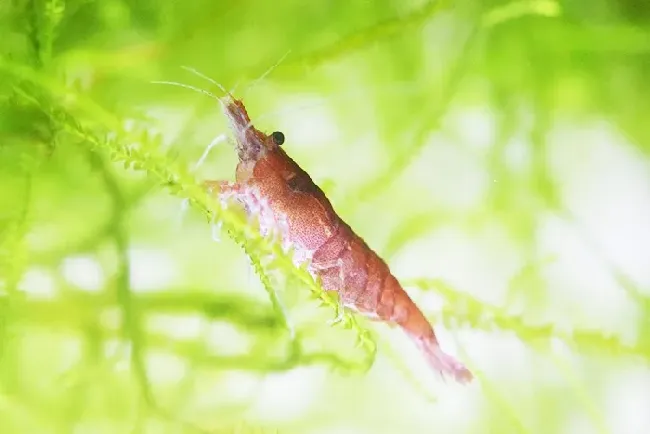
272, 186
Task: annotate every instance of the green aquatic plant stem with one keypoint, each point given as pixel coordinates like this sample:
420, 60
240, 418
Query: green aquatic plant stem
180, 183
465, 310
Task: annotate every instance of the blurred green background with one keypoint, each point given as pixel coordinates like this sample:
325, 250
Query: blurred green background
495, 153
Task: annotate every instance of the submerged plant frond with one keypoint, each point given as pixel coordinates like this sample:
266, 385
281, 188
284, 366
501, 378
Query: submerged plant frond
463, 310
182, 184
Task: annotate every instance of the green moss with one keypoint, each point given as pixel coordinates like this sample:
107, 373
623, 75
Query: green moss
94, 163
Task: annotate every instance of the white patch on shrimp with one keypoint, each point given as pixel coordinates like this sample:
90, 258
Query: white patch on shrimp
272, 225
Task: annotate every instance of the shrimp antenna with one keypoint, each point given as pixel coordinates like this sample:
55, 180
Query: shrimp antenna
259, 79
205, 77
265, 74
187, 86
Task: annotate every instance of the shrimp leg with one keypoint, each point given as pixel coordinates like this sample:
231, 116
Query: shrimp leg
224, 190
217, 140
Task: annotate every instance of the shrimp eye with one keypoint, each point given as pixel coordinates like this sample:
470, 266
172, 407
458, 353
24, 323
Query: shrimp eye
278, 138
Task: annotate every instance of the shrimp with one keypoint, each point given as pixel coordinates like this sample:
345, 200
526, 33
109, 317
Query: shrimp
270, 185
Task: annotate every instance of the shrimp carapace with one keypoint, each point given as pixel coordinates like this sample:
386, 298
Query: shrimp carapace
287, 202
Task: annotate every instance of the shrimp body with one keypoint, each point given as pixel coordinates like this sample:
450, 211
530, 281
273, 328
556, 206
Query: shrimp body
287, 202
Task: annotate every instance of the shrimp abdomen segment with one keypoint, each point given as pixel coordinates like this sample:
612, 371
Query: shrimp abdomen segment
346, 265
